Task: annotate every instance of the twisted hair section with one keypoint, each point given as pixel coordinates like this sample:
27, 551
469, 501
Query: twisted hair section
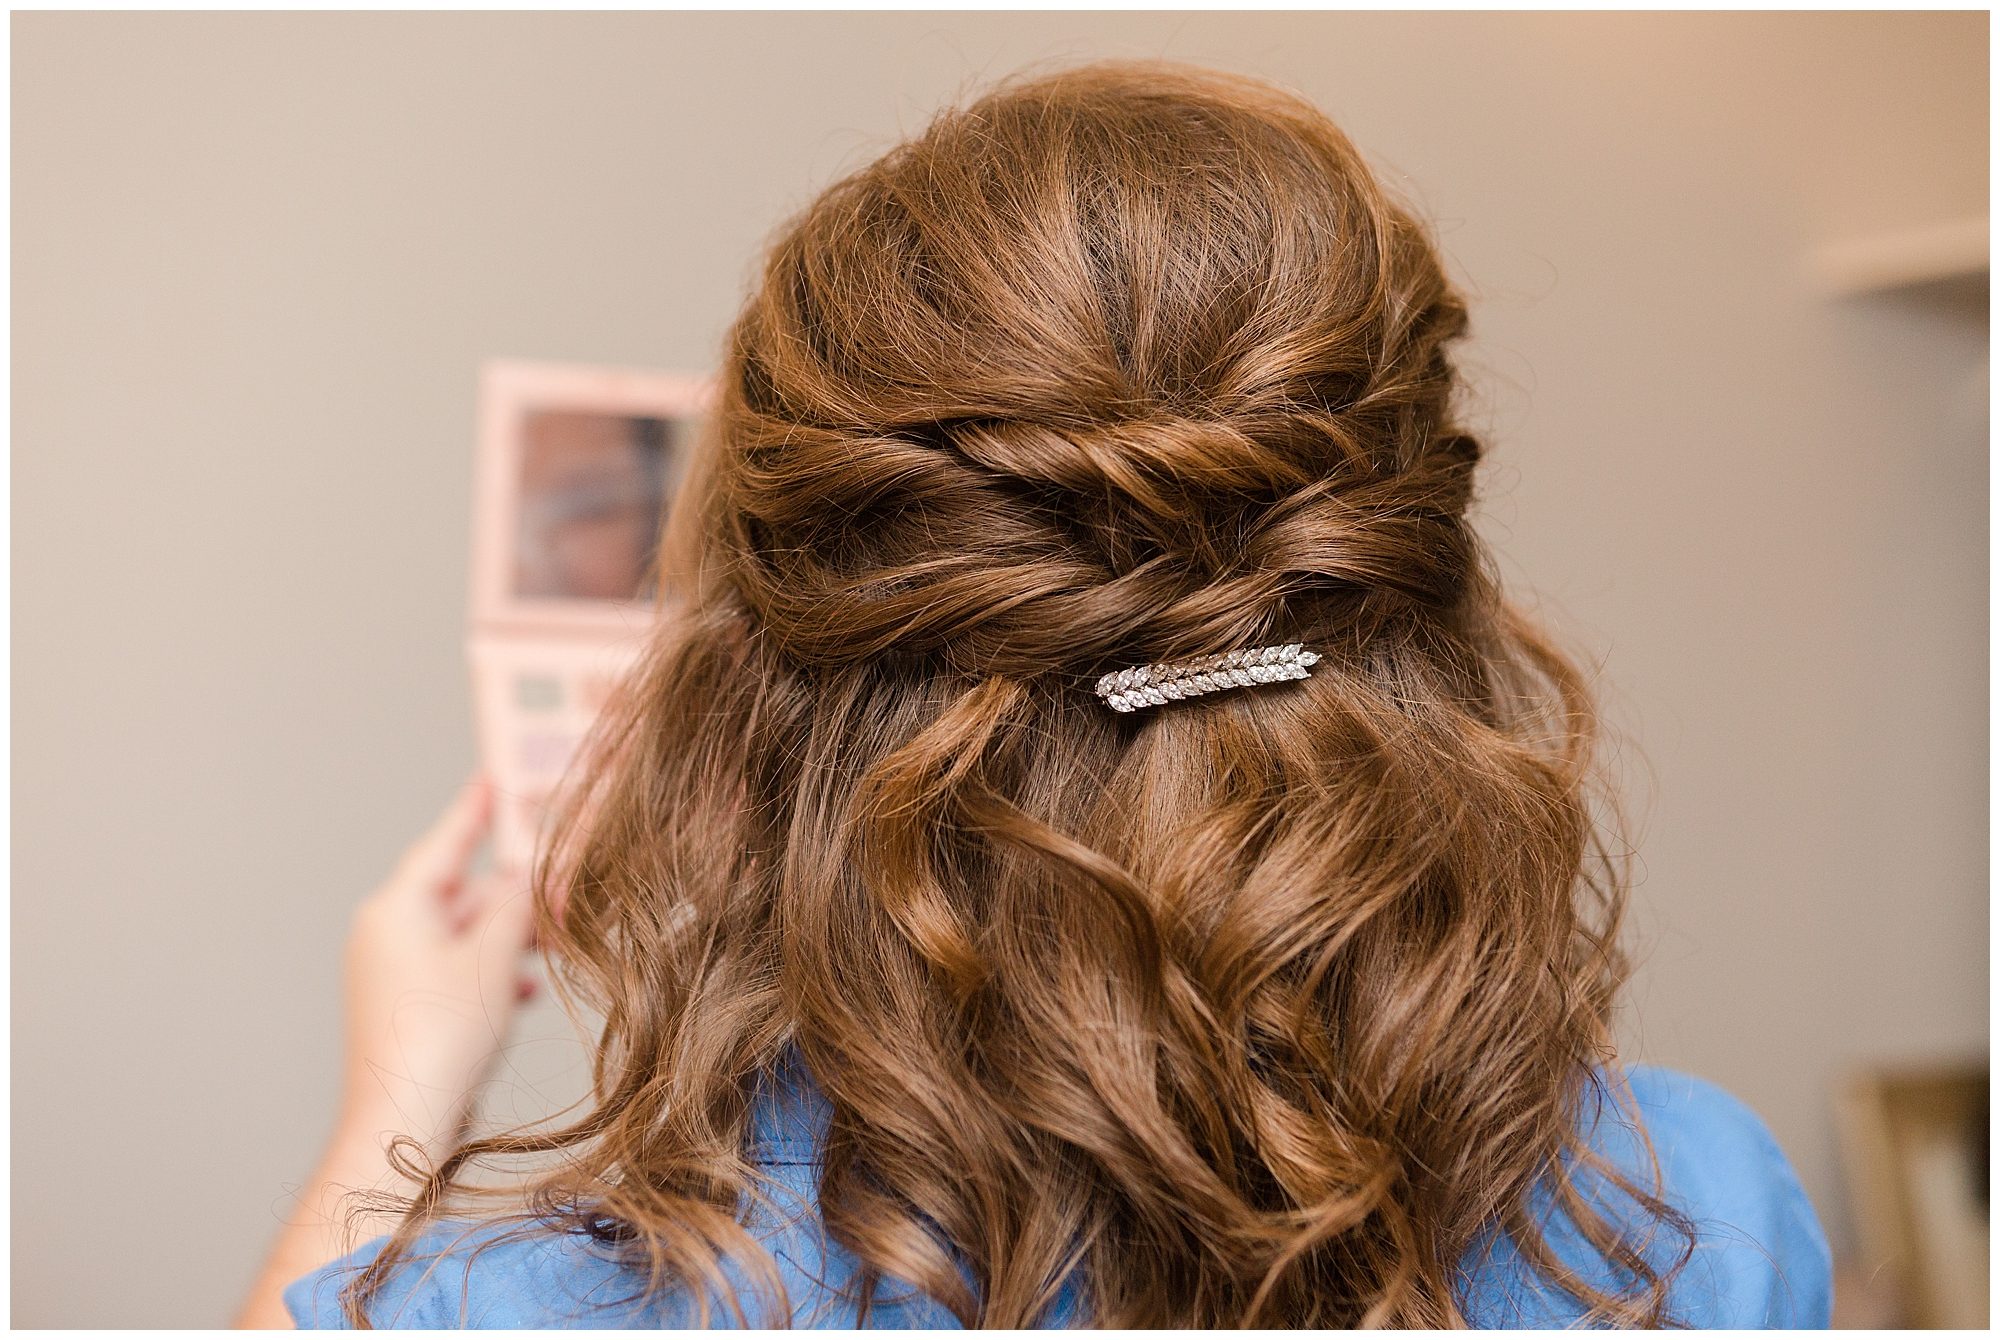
1264, 1007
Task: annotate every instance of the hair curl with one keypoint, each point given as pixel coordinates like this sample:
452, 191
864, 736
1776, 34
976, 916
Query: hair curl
1258, 1009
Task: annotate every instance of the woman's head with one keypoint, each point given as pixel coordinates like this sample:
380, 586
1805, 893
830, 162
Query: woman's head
1259, 1007
1115, 366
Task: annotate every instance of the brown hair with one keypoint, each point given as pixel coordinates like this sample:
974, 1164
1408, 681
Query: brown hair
1257, 1008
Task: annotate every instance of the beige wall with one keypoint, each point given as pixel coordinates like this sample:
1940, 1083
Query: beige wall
257, 258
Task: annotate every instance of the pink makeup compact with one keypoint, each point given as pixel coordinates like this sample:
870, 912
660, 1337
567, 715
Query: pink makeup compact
577, 468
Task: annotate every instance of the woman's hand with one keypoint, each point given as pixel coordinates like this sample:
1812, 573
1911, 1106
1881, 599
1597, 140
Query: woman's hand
434, 975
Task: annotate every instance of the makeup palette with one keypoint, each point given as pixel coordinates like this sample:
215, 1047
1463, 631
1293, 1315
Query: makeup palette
577, 468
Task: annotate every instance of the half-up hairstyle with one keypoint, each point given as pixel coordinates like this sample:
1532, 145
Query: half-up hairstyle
1268, 1007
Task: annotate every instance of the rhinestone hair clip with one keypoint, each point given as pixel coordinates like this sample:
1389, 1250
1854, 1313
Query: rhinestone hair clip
1153, 685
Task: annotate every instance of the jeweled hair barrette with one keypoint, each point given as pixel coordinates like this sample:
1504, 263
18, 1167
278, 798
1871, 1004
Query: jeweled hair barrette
1154, 685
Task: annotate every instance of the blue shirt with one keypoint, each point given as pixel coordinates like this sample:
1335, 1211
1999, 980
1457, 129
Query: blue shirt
1760, 1259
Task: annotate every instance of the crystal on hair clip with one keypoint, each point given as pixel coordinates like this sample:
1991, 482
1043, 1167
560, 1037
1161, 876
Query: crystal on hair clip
1154, 685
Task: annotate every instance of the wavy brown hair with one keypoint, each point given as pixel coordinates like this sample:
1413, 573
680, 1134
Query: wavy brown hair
1260, 1008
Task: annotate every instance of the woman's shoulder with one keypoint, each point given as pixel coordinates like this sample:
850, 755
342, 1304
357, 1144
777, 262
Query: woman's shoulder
534, 1276
1759, 1257
488, 1276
